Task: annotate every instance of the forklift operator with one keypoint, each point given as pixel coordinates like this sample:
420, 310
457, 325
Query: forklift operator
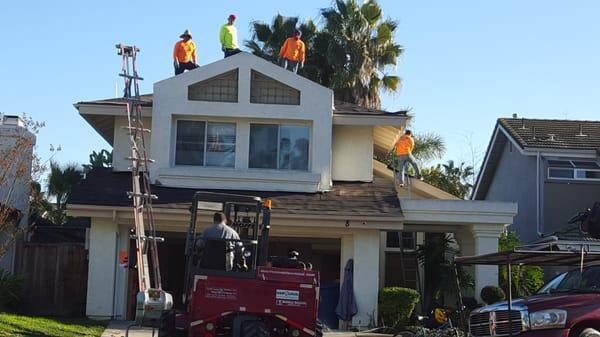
220, 230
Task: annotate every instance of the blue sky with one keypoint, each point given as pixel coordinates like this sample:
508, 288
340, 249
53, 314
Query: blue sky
466, 62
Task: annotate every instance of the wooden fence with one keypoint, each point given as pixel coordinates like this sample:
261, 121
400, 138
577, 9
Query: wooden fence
55, 278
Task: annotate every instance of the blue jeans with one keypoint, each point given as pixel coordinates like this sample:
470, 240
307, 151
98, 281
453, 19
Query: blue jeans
401, 162
229, 52
290, 65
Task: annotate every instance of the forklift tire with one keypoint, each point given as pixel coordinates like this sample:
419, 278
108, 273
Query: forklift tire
319, 329
254, 329
589, 332
167, 324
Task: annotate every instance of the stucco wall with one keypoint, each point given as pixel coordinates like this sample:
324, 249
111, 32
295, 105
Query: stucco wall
515, 181
122, 143
352, 149
102, 267
170, 102
562, 200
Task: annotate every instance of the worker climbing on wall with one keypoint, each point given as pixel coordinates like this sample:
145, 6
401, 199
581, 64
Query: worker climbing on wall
403, 150
292, 53
228, 37
184, 53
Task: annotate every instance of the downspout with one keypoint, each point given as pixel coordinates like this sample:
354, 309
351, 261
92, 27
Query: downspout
538, 227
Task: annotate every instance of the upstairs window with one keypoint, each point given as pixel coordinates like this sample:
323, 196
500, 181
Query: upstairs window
266, 90
283, 147
573, 170
221, 88
202, 143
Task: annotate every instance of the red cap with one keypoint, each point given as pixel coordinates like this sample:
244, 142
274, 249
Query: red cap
232, 16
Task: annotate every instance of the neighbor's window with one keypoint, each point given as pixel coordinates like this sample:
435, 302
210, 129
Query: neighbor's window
284, 147
205, 144
573, 170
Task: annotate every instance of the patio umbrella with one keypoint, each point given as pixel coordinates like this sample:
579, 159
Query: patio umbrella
346, 307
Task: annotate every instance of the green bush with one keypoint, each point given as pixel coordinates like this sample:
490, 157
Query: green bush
492, 294
10, 290
396, 305
526, 280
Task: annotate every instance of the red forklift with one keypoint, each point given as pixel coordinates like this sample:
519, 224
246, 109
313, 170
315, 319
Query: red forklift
256, 297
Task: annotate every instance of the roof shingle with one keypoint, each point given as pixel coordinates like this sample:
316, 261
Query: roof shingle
554, 133
107, 188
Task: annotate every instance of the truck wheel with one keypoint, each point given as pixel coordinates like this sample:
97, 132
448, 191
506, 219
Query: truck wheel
254, 329
589, 332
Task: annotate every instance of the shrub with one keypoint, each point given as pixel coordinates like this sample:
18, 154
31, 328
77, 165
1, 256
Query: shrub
492, 294
10, 290
396, 304
526, 280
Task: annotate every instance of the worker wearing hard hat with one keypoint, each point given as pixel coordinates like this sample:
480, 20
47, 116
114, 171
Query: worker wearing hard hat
228, 37
184, 53
403, 150
292, 53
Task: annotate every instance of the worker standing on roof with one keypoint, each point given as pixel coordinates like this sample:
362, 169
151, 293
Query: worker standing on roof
403, 149
228, 37
184, 53
292, 53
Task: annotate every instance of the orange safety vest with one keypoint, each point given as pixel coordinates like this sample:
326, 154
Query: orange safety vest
405, 145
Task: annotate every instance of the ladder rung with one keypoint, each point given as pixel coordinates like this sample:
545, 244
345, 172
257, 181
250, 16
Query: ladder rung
135, 128
148, 238
142, 195
132, 77
140, 159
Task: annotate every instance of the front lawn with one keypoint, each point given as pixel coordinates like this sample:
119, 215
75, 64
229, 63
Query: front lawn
16, 325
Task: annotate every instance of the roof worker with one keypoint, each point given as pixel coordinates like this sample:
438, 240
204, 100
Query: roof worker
403, 150
184, 53
220, 230
228, 37
292, 52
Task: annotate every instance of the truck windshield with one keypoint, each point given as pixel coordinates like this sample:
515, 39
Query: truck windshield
574, 281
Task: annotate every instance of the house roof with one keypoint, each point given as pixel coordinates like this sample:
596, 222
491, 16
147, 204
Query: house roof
534, 135
340, 107
103, 187
553, 133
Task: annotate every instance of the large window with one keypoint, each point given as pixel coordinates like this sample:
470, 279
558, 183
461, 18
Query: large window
573, 170
205, 144
284, 147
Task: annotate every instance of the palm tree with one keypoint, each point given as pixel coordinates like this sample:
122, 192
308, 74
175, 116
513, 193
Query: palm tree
428, 147
98, 159
60, 183
450, 178
357, 47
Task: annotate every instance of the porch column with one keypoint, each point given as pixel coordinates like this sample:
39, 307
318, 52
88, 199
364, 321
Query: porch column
366, 276
102, 264
482, 239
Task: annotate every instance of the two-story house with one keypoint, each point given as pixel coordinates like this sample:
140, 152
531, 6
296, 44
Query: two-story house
247, 126
551, 168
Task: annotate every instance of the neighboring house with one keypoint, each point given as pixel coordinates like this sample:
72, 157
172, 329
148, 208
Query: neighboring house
244, 125
549, 167
16, 143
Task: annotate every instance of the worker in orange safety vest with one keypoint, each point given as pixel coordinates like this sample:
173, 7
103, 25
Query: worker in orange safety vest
403, 150
184, 53
292, 53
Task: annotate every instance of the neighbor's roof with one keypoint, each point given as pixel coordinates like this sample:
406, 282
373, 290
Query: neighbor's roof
340, 108
535, 134
103, 187
553, 133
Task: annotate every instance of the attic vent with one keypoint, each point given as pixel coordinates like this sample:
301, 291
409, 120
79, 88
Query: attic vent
523, 124
580, 134
266, 90
533, 131
221, 88
551, 137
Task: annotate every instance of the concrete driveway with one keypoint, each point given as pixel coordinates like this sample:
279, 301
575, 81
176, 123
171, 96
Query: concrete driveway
117, 329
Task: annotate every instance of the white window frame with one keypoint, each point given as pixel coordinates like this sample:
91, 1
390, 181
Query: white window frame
279, 125
574, 169
174, 142
404, 250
